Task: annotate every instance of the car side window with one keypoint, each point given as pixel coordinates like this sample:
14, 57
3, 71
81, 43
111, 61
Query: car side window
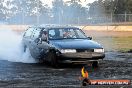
28, 33
35, 34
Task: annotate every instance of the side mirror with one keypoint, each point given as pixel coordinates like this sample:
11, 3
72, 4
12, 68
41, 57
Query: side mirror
90, 38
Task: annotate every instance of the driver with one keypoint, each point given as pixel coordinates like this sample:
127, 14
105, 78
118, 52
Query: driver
67, 34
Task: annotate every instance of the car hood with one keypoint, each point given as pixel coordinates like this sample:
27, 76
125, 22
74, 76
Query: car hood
75, 44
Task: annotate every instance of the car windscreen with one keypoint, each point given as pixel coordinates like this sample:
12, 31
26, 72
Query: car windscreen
66, 33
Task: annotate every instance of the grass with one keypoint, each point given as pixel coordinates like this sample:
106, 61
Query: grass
113, 40
122, 44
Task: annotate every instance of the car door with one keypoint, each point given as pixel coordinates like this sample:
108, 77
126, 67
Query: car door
41, 47
45, 44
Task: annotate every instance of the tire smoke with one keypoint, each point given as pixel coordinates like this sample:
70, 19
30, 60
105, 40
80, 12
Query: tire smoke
11, 47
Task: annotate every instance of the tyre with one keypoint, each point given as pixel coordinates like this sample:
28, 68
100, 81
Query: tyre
95, 64
52, 58
40, 60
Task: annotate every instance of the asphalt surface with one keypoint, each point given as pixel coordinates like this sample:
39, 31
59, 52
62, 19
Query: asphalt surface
17, 74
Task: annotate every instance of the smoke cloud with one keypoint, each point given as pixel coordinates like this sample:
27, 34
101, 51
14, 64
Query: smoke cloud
11, 47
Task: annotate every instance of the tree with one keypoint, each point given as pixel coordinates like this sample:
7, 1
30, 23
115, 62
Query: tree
2, 15
29, 11
70, 12
58, 9
7, 9
97, 11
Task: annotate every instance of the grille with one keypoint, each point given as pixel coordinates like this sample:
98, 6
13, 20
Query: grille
85, 50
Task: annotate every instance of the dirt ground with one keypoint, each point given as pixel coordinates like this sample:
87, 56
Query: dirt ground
15, 74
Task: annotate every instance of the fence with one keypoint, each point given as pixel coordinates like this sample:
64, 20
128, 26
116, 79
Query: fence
108, 18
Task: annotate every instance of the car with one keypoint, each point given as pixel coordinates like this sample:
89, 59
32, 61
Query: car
62, 44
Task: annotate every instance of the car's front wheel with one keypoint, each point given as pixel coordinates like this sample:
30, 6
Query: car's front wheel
52, 58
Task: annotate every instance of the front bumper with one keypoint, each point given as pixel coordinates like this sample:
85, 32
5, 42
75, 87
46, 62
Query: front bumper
81, 57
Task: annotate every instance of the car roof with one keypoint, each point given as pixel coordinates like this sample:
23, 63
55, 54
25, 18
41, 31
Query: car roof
52, 26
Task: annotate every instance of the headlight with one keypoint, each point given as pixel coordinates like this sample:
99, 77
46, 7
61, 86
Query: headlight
68, 51
99, 50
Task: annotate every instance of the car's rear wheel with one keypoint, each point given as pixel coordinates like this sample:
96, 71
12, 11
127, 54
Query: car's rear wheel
52, 58
95, 64
40, 60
